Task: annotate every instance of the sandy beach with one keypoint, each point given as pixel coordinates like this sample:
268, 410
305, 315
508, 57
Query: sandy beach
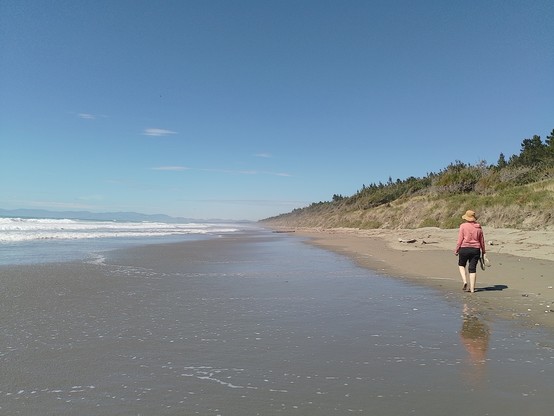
518, 285
262, 323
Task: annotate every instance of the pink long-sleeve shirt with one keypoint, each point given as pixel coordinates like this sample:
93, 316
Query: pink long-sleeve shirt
471, 235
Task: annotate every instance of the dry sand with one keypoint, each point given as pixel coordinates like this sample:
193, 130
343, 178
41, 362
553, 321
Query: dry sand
519, 284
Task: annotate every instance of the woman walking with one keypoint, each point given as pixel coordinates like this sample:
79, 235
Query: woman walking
469, 249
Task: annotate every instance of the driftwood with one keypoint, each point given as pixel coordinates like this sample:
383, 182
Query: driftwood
407, 241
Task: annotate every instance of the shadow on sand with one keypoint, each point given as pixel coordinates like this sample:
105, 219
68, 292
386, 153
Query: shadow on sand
491, 288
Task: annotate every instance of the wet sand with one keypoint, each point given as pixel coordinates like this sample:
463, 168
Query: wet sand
259, 324
519, 284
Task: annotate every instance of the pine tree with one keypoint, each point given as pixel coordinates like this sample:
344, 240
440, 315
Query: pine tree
532, 151
501, 164
550, 140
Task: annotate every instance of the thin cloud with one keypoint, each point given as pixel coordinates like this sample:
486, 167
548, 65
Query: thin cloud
86, 116
263, 155
158, 132
176, 168
59, 205
247, 172
171, 168
267, 202
91, 198
90, 116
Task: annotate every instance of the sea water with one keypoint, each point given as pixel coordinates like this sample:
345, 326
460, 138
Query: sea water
43, 240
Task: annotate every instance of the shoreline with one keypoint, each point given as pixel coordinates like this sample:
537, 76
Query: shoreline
255, 323
517, 287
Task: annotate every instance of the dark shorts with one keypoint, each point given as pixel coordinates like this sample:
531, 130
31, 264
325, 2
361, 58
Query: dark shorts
470, 254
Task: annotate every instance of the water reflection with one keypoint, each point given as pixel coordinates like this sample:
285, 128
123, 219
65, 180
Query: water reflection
475, 336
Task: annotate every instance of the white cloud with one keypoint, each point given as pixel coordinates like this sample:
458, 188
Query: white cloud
91, 198
174, 168
171, 168
246, 172
258, 172
252, 202
58, 205
264, 155
86, 116
158, 132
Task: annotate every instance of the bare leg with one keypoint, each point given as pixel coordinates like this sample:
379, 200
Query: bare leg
472, 279
463, 274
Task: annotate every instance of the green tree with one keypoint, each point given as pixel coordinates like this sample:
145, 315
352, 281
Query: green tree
550, 139
549, 150
501, 164
549, 142
532, 151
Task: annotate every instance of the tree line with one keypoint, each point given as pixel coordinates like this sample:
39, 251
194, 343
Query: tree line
534, 162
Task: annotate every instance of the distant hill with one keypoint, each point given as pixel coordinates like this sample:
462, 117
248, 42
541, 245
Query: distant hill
95, 216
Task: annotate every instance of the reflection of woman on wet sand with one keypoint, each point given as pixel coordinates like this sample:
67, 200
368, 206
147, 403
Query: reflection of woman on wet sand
475, 338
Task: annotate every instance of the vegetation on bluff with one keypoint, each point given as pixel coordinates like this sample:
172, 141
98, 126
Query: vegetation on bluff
516, 193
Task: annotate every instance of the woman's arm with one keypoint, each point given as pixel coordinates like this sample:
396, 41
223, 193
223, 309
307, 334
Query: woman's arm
482, 242
460, 239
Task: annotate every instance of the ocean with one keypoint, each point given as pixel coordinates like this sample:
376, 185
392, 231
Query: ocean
43, 240
242, 321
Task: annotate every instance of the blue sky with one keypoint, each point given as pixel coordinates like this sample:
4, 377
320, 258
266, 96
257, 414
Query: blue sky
248, 109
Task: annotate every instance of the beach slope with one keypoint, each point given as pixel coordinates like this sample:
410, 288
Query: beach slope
518, 285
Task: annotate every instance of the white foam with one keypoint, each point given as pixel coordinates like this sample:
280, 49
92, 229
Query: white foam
30, 229
97, 259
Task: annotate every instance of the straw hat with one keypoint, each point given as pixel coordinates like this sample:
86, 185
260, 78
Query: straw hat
469, 216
